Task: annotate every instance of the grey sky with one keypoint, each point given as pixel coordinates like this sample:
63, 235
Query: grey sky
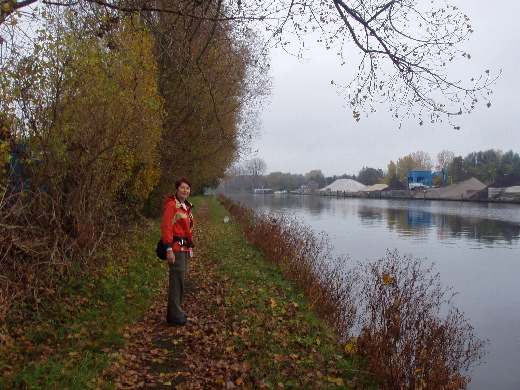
308, 126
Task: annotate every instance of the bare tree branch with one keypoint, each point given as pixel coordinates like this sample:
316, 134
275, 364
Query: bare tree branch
406, 45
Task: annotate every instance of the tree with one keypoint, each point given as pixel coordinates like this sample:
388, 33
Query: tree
85, 115
317, 176
510, 163
444, 159
234, 178
457, 170
487, 166
404, 48
210, 79
483, 165
414, 161
284, 181
255, 167
89, 111
370, 176
392, 177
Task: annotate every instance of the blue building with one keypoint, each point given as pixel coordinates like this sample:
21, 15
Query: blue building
422, 178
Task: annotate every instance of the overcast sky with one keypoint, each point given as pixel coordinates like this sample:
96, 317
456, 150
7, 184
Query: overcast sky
307, 125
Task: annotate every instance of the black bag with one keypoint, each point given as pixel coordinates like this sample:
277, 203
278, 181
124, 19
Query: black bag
161, 250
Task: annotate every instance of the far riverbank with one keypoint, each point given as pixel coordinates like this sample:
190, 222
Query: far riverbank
419, 194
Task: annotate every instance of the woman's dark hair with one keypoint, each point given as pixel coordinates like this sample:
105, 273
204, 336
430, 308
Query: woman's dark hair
182, 180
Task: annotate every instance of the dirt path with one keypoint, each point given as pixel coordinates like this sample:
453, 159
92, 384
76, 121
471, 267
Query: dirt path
160, 356
154, 356
232, 325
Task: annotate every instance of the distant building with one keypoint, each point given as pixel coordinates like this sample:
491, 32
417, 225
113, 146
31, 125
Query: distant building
264, 191
423, 178
507, 188
309, 188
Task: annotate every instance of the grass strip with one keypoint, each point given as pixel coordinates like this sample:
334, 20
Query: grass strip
269, 323
70, 335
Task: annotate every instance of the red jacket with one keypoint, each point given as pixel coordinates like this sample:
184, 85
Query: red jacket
176, 225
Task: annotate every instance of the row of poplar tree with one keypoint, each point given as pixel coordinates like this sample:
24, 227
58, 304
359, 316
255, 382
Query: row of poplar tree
101, 113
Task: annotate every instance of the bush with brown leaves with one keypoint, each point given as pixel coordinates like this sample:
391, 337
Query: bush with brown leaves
393, 313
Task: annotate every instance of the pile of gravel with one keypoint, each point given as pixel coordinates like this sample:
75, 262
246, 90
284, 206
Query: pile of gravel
347, 185
462, 190
507, 186
375, 187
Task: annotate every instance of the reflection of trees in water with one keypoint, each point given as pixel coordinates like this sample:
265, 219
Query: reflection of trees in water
312, 204
483, 230
370, 215
409, 221
413, 222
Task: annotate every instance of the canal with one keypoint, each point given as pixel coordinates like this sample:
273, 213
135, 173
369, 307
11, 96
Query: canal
475, 248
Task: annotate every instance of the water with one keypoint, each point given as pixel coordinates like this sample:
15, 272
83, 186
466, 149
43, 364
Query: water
475, 247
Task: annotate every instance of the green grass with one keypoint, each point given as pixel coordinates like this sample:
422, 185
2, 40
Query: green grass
284, 326
68, 342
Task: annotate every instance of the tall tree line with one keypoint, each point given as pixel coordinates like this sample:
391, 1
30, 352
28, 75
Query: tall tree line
100, 114
487, 166
210, 92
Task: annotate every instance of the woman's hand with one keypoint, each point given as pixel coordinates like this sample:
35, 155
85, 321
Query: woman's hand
170, 256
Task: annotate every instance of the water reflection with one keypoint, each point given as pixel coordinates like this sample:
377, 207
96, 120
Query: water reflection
370, 215
419, 223
489, 232
418, 218
311, 204
484, 223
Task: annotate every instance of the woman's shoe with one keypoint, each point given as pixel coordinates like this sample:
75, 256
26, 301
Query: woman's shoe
179, 321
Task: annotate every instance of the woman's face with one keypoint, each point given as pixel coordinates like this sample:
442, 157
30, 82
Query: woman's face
183, 191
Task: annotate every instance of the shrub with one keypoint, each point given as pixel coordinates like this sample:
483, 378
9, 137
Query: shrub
410, 333
84, 115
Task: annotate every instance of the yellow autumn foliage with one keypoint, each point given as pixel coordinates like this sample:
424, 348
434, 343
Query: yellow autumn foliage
98, 121
387, 279
116, 112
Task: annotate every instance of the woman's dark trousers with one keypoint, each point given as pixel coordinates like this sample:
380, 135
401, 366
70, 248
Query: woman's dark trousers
177, 277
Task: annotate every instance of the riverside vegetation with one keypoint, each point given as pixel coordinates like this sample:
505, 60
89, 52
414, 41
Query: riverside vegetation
271, 314
106, 330
388, 312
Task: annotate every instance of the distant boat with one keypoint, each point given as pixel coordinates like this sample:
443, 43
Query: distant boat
263, 191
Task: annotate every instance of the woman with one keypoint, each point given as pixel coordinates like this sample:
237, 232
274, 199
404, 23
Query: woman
177, 222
